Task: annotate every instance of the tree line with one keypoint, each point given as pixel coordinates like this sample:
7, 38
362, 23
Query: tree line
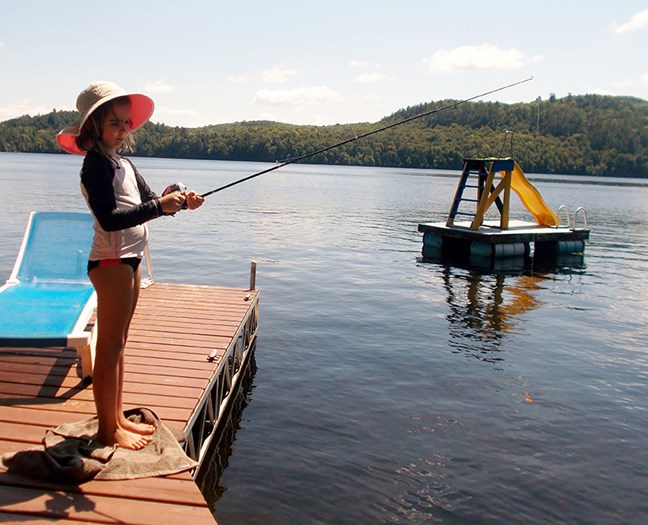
586, 134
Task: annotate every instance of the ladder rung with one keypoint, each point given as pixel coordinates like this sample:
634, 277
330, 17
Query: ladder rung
469, 200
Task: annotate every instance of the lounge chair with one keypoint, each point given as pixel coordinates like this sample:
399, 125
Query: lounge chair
48, 300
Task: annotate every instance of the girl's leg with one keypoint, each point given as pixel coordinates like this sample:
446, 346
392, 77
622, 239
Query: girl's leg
139, 428
114, 286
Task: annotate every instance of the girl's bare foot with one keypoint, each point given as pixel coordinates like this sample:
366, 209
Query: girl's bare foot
125, 439
143, 429
130, 440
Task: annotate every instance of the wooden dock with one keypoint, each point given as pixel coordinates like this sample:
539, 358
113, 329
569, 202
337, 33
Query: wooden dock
174, 331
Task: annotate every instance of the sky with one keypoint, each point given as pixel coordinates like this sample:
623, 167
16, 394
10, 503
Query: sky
316, 62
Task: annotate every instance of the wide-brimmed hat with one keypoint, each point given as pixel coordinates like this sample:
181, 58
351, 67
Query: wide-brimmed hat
94, 96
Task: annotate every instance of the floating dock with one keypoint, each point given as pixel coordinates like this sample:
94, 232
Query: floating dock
188, 346
521, 239
487, 182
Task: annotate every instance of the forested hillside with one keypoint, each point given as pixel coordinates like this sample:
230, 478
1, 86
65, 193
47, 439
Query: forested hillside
589, 134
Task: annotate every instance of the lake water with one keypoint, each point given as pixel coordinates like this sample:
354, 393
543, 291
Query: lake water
388, 389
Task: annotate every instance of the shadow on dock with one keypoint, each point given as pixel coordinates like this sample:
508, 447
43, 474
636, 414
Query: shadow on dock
38, 377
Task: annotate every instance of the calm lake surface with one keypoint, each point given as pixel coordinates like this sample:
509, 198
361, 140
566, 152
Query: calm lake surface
388, 389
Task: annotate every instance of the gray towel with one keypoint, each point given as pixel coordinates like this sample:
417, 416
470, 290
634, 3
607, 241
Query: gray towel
70, 454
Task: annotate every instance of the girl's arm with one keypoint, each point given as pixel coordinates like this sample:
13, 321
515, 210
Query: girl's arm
96, 177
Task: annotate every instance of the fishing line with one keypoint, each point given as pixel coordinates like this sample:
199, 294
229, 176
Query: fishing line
363, 135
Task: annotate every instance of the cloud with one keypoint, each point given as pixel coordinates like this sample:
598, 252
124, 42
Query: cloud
624, 83
637, 21
365, 64
159, 87
311, 119
177, 112
468, 58
370, 77
603, 91
277, 75
235, 79
371, 74
644, 79
179, 117
267, 116
18, 110
297, 96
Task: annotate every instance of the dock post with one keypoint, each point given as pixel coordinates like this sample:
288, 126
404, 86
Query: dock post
253, 275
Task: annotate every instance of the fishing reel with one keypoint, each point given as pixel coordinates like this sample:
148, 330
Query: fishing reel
179, 187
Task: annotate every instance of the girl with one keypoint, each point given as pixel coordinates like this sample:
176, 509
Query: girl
120, 202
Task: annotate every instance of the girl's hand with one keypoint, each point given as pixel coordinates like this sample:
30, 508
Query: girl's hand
194, 200
172, 202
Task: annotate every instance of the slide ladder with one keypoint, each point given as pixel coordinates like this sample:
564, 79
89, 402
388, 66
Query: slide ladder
473, 177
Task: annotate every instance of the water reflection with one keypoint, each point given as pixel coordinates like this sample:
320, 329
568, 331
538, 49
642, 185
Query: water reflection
217, 458
486, 297
483, 308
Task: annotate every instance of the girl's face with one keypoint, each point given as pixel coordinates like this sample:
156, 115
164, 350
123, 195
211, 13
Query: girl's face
116, 127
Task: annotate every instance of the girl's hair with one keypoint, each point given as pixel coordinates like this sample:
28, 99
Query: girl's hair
89, 137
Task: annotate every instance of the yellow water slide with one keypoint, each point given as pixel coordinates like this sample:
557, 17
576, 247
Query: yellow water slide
531, 198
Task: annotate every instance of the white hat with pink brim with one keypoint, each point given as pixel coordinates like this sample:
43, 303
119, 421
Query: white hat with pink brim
94, 96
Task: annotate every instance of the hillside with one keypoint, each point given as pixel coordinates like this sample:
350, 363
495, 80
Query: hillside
589, 134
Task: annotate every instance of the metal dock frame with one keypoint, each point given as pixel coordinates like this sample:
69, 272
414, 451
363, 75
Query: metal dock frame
222, 386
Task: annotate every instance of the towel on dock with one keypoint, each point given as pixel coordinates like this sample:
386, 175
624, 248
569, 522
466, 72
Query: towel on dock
71, 455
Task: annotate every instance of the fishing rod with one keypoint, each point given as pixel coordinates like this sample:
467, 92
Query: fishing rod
363, 135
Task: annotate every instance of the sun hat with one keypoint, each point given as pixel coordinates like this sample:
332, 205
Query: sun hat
94, 96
